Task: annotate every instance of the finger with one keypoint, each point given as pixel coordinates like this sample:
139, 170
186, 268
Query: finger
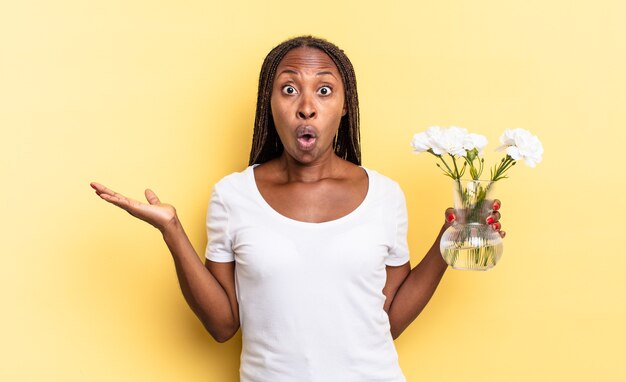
119, 200
114, 197
450, 217
496, 204
494, 217
101, 189
502, 234
98, 187
151, 197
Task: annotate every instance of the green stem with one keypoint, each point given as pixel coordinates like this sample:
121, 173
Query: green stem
504, 166
445, 164
456, 169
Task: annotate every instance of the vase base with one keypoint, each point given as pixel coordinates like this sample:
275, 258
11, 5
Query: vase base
470, 269
472, 258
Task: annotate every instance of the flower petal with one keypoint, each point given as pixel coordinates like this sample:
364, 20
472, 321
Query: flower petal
521, 144
420, 143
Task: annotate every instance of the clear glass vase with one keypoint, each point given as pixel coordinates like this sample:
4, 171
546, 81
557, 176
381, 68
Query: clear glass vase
469, 243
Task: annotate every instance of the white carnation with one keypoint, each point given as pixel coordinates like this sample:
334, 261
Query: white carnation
452, 140
521, 144
475, 141
447, 141
420, 143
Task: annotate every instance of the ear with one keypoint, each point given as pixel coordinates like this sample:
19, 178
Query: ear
344, 111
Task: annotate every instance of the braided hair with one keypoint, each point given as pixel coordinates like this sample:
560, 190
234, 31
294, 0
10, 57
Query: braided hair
266, 144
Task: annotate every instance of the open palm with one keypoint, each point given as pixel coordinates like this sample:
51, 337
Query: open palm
158, 214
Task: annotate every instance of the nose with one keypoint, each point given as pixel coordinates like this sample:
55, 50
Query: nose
306, 108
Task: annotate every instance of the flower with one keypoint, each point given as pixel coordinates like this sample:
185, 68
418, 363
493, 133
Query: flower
420, 143
452, 141
448, 141
521, 144
457, 143
476, 141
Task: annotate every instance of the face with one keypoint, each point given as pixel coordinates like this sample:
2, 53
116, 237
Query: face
307, 104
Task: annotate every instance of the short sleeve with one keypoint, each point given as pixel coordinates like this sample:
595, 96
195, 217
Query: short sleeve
399, 254
219, 245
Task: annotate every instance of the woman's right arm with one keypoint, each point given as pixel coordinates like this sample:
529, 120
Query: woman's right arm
209, 289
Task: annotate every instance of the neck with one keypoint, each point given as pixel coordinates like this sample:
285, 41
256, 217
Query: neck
323, 168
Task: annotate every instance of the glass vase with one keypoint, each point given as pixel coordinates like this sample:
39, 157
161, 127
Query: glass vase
470, 243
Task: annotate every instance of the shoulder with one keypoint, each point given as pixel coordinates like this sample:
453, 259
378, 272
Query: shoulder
236, 181
235, 177
383, 183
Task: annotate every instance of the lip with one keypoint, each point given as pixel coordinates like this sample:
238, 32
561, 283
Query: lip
306, 136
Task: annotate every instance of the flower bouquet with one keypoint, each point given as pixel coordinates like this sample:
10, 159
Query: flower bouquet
469, 243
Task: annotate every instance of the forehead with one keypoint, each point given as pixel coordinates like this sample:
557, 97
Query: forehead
307, 58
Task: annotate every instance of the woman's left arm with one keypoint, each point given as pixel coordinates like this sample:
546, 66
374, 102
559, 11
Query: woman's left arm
407, 290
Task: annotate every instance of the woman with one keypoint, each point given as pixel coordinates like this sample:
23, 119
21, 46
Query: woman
307, 249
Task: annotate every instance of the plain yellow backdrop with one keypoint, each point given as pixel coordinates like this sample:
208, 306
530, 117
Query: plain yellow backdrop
161, 94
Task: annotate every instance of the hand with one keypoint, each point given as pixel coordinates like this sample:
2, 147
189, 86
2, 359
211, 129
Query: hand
493, 219
155, 213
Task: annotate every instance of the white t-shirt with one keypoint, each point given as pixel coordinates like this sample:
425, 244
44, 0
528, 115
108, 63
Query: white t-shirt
310, 294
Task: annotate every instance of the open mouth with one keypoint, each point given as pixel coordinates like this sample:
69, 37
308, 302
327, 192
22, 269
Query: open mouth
306, 137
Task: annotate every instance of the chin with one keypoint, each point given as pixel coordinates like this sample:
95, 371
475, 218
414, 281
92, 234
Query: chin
304, 158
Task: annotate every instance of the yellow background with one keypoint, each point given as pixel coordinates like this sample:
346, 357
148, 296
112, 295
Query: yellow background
161, 94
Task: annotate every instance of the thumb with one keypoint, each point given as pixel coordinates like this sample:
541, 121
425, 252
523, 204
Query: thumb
151, 197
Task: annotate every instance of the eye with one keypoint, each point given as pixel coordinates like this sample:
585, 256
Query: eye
288, 89
325, 90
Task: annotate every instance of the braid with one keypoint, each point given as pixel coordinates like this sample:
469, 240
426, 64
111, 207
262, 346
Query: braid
266, 144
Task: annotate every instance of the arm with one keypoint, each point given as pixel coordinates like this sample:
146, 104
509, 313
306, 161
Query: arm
208, 289
409, 290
